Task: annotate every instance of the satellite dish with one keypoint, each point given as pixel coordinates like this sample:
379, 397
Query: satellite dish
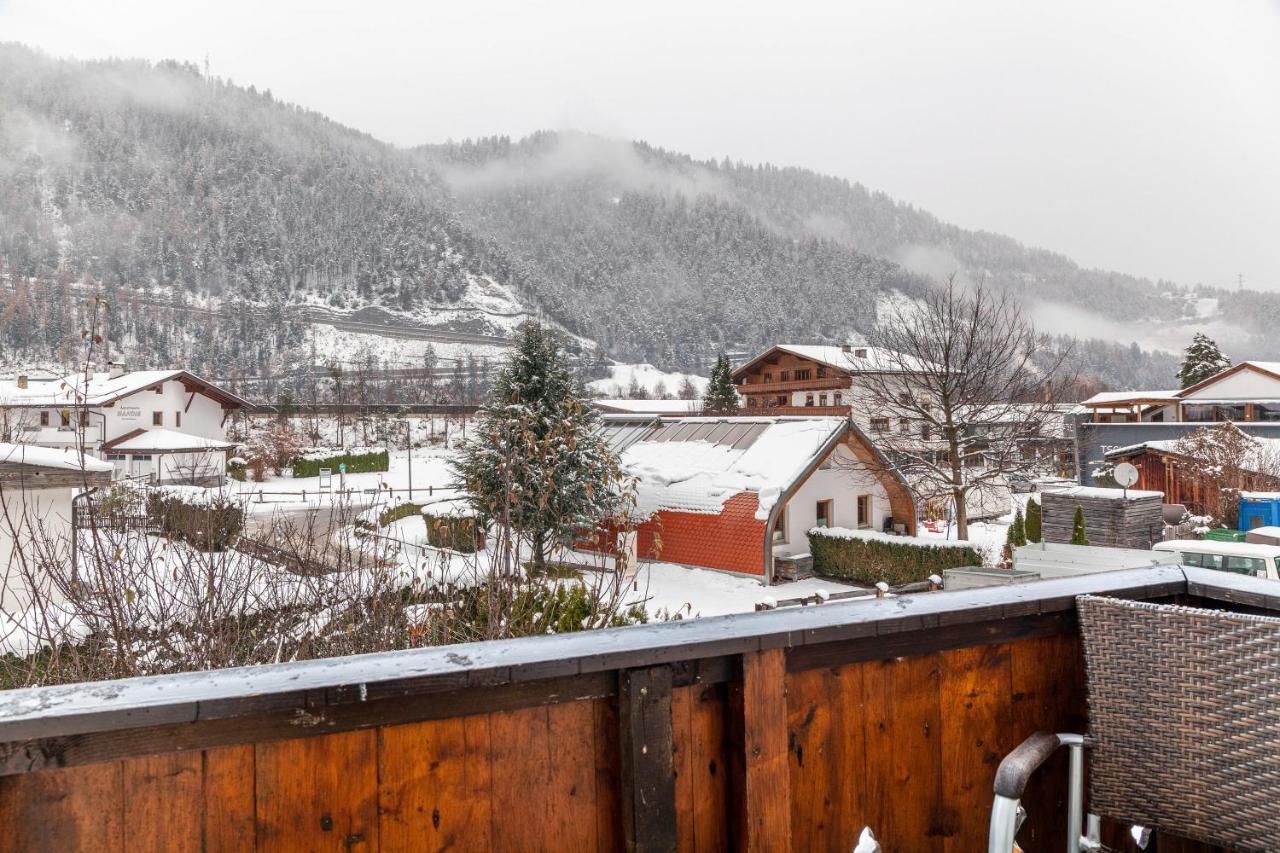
1125, 474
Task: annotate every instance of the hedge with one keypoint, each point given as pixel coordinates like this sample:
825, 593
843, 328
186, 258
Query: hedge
397, 512
869, 559
357, 463
209, 525
457, 533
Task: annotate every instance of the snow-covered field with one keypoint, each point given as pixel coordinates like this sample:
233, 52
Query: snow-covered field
648, 377
333, 344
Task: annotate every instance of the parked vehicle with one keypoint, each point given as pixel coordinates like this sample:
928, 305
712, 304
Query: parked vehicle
1243, 558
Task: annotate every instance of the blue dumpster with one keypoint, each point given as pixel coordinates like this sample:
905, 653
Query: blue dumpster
1259, 510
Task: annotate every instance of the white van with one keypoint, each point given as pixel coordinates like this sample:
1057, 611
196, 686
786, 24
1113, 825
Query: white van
1243, 558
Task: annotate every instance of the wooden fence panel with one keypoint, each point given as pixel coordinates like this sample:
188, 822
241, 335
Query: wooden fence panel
702, 776
79, 809
902, 724
318, 793
435, 788
164, 801
229, 799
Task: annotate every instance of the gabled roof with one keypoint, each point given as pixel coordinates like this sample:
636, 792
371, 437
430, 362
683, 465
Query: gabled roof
1266, 368
1270, 369
697, 464
163, 441
1116, 398
841, 357
102, 389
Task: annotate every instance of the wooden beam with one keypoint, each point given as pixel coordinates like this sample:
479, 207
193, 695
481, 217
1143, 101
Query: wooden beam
648, 763
762, 773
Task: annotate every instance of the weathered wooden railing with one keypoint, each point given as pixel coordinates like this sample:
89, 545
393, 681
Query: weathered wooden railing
791, 729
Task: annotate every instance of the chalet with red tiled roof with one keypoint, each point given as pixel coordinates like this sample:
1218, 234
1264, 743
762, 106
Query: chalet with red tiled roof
736, 493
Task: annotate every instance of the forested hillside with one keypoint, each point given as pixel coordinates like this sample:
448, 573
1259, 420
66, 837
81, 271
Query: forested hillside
659, 243
219, 220
156, 179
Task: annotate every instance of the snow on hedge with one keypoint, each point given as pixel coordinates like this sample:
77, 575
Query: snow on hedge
322, 453
876, 535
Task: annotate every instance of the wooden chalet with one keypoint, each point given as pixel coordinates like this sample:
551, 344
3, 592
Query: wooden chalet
787, 730
805, 379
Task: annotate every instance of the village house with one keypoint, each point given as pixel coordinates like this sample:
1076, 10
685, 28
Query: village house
162, 426
814, 379
739, 493
1142, 426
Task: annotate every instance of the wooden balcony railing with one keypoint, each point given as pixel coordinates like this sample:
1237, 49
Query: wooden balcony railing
811, 411
784, 730
831, 382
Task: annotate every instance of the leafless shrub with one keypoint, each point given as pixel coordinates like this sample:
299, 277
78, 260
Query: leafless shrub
126, 601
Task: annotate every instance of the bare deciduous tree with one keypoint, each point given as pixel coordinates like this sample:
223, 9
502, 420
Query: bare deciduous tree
1225, 461
963, 382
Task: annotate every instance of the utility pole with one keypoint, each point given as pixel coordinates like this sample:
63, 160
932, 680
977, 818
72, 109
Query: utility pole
1239, 281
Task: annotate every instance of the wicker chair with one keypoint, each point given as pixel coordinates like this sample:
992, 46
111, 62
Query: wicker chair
1184, 719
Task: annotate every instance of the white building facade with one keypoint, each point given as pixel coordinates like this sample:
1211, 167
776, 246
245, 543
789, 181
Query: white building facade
163, 426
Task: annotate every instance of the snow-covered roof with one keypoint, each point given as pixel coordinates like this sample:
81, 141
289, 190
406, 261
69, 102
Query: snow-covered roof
50, 457
99, 388
1100, 492
651, 407
1260, 456
697, 464
165, 441
875, 360
1114, 397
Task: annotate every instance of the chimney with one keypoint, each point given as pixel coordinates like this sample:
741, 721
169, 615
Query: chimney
116, 369
22, 380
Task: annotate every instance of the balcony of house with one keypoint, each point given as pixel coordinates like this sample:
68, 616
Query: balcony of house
811, 411
785, 730
822, 383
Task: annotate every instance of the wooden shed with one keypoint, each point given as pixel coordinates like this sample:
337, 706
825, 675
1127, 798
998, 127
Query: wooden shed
1113, 518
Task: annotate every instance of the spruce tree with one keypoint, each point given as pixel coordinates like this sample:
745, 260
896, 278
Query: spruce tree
1201, 360
1035, 520
1078, 536
1017, 535
720, 398
536, 464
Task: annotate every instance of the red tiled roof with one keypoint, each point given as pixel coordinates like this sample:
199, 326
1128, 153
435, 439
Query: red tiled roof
732, 540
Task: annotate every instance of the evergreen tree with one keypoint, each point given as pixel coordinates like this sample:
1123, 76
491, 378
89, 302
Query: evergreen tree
1035, 520
1201, 360
535, 464
1017, 535
721, 398
1078, 536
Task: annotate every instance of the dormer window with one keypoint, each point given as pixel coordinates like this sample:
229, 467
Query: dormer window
861, 352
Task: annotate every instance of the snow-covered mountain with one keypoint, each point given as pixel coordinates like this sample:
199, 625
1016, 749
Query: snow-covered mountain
242, 236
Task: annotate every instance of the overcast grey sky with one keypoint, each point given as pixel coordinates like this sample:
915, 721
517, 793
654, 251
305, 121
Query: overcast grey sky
1137, 136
